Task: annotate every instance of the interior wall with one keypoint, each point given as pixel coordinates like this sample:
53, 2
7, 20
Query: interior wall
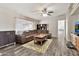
73, 19
52, 25
7, 19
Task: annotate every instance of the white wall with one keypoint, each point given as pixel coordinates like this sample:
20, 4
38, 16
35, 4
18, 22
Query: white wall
7, 19
52, 25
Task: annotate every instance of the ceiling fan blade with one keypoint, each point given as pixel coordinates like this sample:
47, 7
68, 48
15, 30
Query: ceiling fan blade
50, 12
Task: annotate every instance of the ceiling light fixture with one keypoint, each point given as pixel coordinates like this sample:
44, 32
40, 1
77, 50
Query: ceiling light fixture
44, 14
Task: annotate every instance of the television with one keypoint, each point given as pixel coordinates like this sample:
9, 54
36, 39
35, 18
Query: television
77, 27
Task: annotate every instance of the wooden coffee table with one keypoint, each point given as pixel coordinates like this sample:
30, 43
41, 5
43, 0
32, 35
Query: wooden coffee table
40, 38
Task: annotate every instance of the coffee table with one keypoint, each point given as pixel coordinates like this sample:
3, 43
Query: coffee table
40, 38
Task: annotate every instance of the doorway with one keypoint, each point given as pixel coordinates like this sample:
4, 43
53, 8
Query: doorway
61, 28
61, 35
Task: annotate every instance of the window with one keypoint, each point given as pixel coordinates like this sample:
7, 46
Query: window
23, 25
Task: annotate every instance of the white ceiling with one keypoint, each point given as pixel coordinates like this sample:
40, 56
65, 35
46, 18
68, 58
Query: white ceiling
28, 9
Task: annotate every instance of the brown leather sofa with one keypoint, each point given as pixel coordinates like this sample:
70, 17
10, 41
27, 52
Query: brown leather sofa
29, 36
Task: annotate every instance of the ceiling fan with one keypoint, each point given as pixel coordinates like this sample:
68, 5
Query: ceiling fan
45, 12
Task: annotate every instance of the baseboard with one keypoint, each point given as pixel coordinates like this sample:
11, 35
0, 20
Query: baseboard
8, 44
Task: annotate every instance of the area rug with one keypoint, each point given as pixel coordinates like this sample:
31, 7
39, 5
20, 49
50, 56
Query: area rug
39, 48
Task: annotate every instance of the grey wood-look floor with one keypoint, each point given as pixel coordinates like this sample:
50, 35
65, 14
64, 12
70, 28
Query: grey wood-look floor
55, 49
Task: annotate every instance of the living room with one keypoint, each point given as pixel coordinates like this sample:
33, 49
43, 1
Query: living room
31, 29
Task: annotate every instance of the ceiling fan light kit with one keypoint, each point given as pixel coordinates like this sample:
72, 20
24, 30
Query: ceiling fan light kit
44, 14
